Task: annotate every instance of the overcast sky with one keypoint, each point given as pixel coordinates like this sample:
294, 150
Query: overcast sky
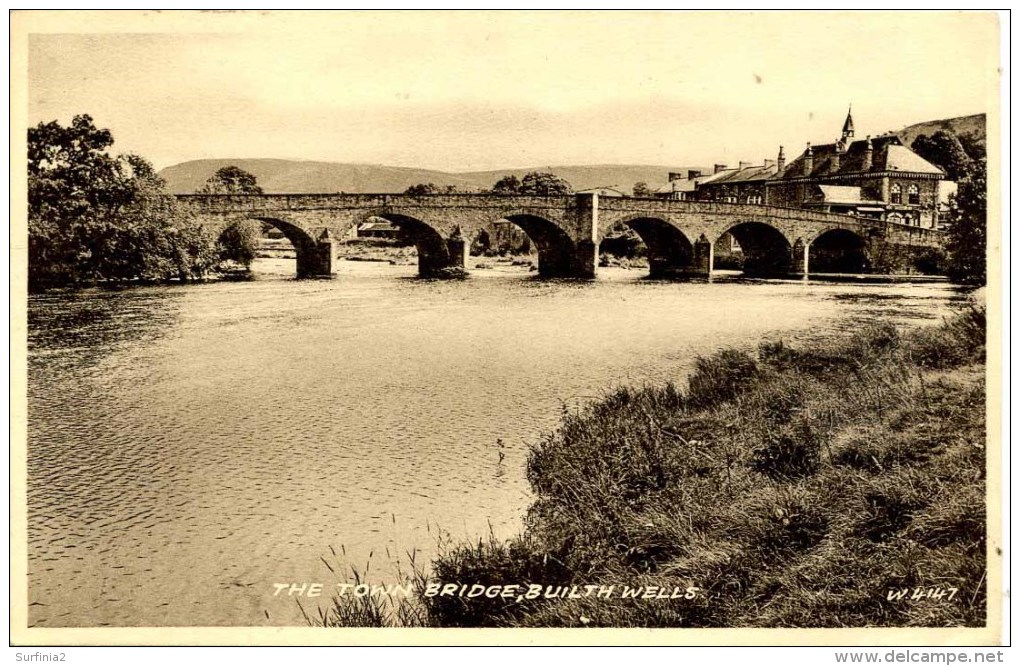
467, 91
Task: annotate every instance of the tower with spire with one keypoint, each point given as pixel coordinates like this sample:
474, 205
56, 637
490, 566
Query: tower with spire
848, 125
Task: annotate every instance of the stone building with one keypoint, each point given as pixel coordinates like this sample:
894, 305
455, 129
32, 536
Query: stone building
746, 184
681, 188
877, 178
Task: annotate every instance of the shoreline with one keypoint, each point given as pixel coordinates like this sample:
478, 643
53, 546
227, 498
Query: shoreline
826, 486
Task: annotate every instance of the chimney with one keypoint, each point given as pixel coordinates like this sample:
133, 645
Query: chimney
719, 167
744, 165
809, 160
781, 162
869, 155
693, 173
673, 175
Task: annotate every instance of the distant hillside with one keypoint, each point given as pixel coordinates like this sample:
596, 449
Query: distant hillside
962, 126
294, 176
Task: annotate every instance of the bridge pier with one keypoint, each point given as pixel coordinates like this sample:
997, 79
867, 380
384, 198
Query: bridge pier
586, 260
704, 257
800, 255
443, 258
319, 259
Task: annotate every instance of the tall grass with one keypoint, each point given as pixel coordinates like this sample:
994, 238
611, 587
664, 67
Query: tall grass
795, 487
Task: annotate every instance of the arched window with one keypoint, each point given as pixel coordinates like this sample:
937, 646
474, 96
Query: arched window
913, 195
895, 194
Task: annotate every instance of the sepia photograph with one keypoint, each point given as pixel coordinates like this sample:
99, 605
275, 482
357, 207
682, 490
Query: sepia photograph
344, 327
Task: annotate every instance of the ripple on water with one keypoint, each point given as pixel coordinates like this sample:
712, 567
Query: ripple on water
188, 447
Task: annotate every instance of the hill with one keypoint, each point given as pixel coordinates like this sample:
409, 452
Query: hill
295, 176
961, 127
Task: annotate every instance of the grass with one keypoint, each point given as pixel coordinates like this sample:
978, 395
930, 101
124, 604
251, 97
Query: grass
794, 487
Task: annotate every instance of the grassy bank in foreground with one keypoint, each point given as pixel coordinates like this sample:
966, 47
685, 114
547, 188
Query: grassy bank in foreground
795, 487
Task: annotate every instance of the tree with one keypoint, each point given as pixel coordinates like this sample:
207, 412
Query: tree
92, 216
230, 180
968, 229
422, 189
543, 183
507, 185
944, 150
641, 189
974, 144
240, 242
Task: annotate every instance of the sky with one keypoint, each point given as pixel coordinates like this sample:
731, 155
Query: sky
460, 91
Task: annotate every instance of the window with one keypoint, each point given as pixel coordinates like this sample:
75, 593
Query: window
895, 194
754, 198
730, 199
895, 218
913, 195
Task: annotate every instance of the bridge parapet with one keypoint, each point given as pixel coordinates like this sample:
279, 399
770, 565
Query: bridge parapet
566, 230
224, 203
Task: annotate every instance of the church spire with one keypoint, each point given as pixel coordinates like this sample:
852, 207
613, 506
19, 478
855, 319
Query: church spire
848, 125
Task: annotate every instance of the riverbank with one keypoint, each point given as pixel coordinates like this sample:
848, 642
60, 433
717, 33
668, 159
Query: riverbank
792, 487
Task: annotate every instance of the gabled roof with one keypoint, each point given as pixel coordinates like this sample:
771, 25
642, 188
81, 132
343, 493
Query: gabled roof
603, 191
679, 185
840, 194
888, 154
901, 158
747, 174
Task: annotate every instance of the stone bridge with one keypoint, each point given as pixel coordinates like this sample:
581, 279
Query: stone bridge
567, 230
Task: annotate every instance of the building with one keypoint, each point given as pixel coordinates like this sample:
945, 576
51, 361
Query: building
680, 188
746, 184
604, 191
878, 178
378, 228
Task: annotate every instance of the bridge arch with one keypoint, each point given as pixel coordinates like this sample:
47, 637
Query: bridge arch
765, 249
436, 253
839, 250
304, 244
557, 252
670, 251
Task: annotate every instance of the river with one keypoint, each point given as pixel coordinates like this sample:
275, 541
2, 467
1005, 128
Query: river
190, 446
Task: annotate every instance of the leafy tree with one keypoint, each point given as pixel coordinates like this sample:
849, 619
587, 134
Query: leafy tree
422, 189
944, 150
534, 183
542, 183
92, 216
641, 189
240, 242
230, 180
968, 229
430, 188
507, 185
974, 144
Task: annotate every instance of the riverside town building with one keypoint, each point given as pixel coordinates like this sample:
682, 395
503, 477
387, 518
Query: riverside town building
877, 178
